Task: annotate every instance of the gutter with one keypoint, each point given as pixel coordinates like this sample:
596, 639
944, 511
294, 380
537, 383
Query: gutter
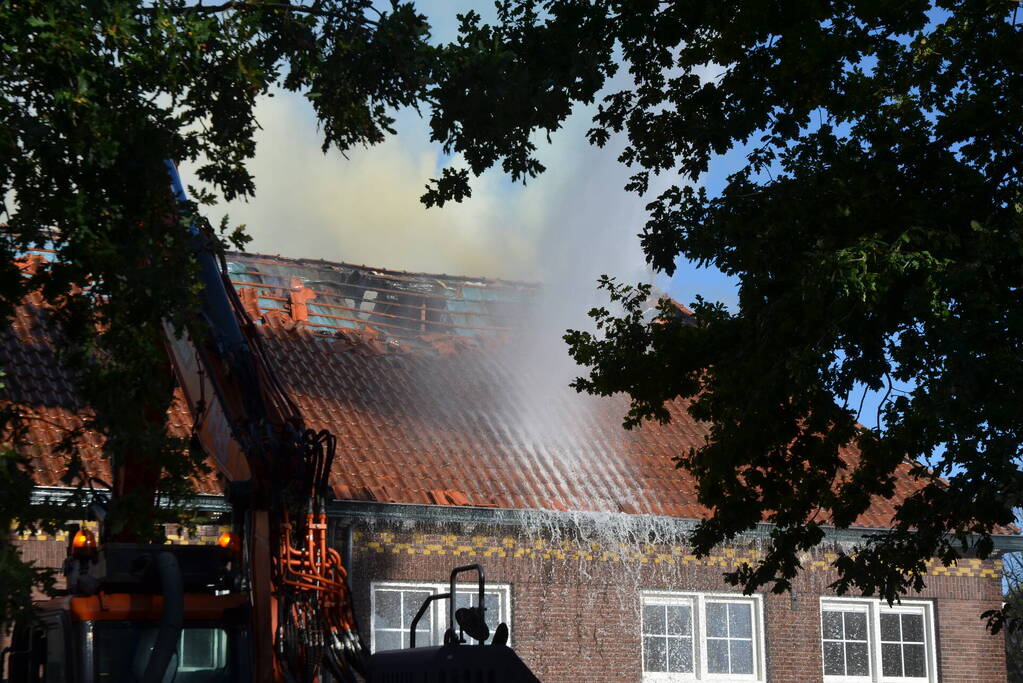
354, 511
64, 495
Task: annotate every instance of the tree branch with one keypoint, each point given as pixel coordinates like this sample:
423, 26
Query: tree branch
242, 5
880, 406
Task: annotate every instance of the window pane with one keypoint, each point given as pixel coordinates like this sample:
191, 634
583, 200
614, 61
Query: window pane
413, 601
470, 598
123, 647
653, 619
680, 655
857, 659
492, 613
890, 630
717, 656
202, 648
654, 654
891, 659
912, 628
834, 663
742, 656
717, 615
492, 603
831, 625
855, 625
389, 640
915, 662
387, 609
680, 620
740, 620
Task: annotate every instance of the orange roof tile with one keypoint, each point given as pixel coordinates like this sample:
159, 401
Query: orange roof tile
429, 406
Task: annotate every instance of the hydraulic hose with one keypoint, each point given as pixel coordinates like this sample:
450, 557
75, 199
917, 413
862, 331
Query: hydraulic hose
171, 621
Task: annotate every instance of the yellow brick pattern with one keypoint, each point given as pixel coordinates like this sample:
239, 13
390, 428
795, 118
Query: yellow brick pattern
510, 546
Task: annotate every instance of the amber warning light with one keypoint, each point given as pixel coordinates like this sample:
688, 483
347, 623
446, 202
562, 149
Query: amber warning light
230, 541
84, 543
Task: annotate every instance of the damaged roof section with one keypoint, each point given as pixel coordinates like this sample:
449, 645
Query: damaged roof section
376, 308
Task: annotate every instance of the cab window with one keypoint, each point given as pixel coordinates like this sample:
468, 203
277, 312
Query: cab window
123, 648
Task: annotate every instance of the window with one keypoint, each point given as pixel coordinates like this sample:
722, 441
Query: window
393, 612
668, 636
202, 649
56, 653
729, 637
123, 648
692, 636
395, 604
846, 646
867, 641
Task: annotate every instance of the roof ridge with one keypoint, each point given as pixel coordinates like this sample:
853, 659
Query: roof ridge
385, 271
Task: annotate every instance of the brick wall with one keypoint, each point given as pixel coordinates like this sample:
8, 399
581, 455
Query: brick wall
575, 607
967, 652
577, 620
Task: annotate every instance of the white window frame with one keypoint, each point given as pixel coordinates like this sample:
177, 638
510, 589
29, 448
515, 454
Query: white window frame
698, 603
437, 615
875, 608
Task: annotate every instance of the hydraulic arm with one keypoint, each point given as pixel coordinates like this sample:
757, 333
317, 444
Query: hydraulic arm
279, 471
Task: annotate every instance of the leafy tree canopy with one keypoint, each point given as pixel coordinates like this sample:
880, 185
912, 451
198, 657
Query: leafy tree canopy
875, 227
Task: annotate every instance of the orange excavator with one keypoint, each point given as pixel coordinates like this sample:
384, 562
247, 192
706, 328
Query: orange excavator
270, 602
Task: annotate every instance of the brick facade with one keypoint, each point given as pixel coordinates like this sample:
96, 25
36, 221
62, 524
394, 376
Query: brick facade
575, 602
575, 610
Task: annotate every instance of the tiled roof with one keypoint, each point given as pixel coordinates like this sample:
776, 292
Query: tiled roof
466, 428
423, 382
45, 396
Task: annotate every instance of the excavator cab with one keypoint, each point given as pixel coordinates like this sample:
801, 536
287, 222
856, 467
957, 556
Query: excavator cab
64, 644
137, 613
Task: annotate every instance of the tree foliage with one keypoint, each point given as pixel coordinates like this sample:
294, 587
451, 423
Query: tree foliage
17, 577
875, 227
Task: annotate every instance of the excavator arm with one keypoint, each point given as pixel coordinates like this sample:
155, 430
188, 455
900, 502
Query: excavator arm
277, 472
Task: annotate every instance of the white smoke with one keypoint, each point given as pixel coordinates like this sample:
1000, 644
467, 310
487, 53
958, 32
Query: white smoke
564, 229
